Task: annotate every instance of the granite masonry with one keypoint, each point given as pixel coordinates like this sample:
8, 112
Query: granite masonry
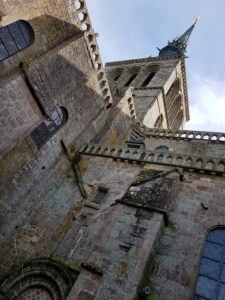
103, 195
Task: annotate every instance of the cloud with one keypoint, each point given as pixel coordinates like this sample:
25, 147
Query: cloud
207, 104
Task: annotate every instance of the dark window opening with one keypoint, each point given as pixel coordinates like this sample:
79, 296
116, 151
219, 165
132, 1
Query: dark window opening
130, 80
116, 73
159, 159
117, 77
148, 79
135, 144
14, 38
99, 196
163, 149
211, 277
49, 127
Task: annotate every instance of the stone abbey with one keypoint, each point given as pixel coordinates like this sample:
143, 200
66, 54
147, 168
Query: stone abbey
103, 195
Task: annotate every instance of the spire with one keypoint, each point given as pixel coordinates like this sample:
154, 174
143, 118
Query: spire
179, 44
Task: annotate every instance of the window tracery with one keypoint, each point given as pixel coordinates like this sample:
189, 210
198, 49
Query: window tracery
49, 127
14, 38
211, 277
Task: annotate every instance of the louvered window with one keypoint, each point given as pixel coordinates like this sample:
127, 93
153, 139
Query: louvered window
99, 196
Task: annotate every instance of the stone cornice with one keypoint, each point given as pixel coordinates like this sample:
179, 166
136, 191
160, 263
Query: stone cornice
205, 164
141, 60
185, 89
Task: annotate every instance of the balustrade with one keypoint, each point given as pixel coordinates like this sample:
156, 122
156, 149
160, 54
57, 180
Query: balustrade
186, 134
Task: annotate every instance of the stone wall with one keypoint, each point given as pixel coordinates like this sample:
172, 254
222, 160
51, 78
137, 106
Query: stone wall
114, 240
19, 113
22, 165
109, 243
198, 207
51, 24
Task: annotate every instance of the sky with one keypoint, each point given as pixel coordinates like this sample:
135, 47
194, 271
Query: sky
134, 28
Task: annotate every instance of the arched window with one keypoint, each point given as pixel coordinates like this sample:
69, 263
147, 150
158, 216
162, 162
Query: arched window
178, 121
150, 72
14, 38
131, 78
39, 279
172, 112
148, 79
115, 74
49, 127
162, 148
211, 278
159, 121
172, 94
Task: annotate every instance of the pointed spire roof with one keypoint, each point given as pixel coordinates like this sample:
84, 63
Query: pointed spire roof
179, 44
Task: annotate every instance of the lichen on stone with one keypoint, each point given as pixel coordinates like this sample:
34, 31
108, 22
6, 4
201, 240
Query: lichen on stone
123, 269
146, 175
93, 267
91, 204
155, 194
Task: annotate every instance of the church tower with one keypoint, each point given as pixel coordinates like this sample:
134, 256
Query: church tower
155, 87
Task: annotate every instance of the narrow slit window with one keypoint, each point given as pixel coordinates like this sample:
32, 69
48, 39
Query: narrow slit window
135, 144
99, 196
14, 38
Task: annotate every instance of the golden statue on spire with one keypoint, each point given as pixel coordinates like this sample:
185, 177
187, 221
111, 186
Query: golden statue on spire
197, 19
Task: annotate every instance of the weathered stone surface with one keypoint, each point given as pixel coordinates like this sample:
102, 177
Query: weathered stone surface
156, 193
178, 258
119, 246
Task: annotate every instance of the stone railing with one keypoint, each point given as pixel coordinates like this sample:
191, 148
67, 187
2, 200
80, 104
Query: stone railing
189, 162
85, 25
184, 134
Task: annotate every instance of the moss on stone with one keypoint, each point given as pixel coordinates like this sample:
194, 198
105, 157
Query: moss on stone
146, 175
153, 296
123, 269
172, 225
69, 219
78, 207
113, 138
66, 265
82, 166
91, 204
92, 267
